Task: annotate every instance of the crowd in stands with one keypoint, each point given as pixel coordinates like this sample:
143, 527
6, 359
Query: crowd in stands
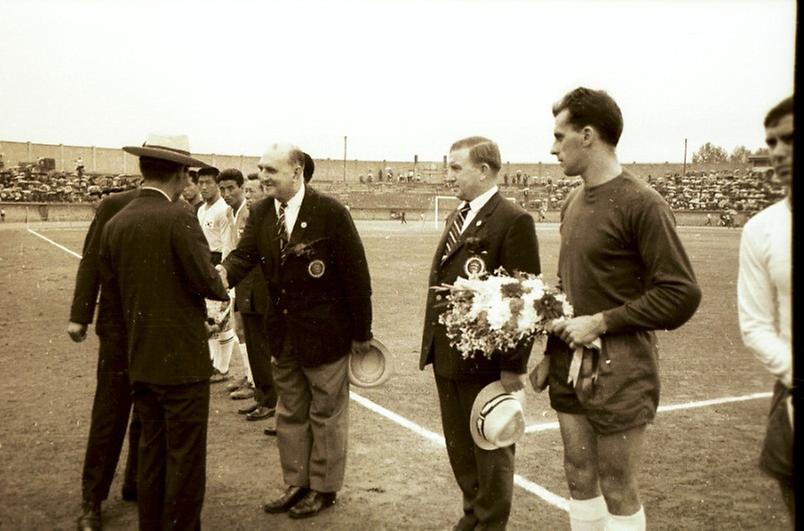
723, 191
27, 183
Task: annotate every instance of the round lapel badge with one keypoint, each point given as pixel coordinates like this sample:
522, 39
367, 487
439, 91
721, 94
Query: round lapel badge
316, 268
474, 266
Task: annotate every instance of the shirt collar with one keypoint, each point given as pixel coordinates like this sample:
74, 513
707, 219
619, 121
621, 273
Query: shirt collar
293, 202
158, 190
479, 202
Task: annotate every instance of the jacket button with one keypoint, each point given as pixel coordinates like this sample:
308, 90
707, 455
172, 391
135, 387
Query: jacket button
285, 311
283, 291
439, 297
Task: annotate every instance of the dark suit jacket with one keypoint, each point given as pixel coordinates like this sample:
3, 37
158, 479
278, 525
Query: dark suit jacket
320, 309
155, 258
508, 239
87, 280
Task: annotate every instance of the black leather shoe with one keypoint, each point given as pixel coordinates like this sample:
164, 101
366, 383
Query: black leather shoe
129, 493
312, 504
245, 410
90, 519
290, 498
261, 413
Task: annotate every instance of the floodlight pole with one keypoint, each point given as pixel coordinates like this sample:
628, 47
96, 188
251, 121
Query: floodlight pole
684, 170
344, 158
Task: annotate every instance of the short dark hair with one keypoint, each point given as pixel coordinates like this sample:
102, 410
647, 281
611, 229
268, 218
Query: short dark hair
253, 176
194, 176
209, 170
309, 168
230, 174
779, 111
594, 108
158, 169
481, 151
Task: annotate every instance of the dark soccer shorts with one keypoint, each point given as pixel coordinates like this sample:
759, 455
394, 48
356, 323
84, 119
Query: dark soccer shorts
776, 458
626, 393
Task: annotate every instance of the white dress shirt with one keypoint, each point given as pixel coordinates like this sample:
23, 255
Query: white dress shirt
476, 204
157, 190
292, 210
764, 289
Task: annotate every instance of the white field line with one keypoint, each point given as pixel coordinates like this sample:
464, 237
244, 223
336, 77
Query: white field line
545, 426
537, 490
533, 488
63, 248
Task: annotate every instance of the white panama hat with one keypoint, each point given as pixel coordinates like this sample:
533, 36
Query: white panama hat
497, 419
372, 368
175, 148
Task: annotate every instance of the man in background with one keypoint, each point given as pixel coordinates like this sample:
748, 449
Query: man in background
251, 303
191, 193
111, 406
765, 302
215, 224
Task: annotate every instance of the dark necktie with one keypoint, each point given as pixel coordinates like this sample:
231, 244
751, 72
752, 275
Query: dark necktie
455, 229
282, 231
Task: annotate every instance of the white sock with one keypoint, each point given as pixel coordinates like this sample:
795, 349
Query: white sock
214, 352
588, 515
635, 522
226, 341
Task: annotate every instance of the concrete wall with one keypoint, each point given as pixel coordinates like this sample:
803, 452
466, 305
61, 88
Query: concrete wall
22, 212
362, 210
116, 161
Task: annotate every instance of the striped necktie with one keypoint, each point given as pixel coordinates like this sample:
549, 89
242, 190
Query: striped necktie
282, 231
455, 229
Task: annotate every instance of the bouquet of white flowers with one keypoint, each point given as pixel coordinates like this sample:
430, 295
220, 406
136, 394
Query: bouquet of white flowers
493, 312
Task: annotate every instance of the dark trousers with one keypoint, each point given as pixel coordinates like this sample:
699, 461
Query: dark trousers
173, 454
485, 477
107, 430
259, 359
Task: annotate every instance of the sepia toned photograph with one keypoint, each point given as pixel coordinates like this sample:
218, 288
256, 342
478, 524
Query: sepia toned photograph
397, 265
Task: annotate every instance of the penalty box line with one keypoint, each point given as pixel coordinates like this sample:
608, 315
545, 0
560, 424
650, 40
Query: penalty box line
546, 426
546, 495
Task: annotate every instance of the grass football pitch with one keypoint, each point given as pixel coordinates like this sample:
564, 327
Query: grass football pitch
699, 467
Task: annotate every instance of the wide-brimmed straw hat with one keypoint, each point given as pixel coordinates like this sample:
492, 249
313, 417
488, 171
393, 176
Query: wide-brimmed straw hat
372, 368
497, 419
175, 148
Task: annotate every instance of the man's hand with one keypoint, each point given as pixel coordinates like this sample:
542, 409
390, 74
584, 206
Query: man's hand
538, 376
361, 347
224, 276
77, 331
580, 331
511, 381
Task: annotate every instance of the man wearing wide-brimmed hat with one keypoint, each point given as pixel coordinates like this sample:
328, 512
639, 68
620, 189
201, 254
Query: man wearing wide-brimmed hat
155, 258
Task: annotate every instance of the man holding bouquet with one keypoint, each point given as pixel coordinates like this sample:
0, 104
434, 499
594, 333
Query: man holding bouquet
486, 232
625, 272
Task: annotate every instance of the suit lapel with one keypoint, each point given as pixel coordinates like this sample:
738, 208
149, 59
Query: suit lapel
270, 230
303, 219
442, 243
476, 224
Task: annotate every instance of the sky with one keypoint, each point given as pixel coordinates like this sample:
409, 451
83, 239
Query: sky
396, 78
